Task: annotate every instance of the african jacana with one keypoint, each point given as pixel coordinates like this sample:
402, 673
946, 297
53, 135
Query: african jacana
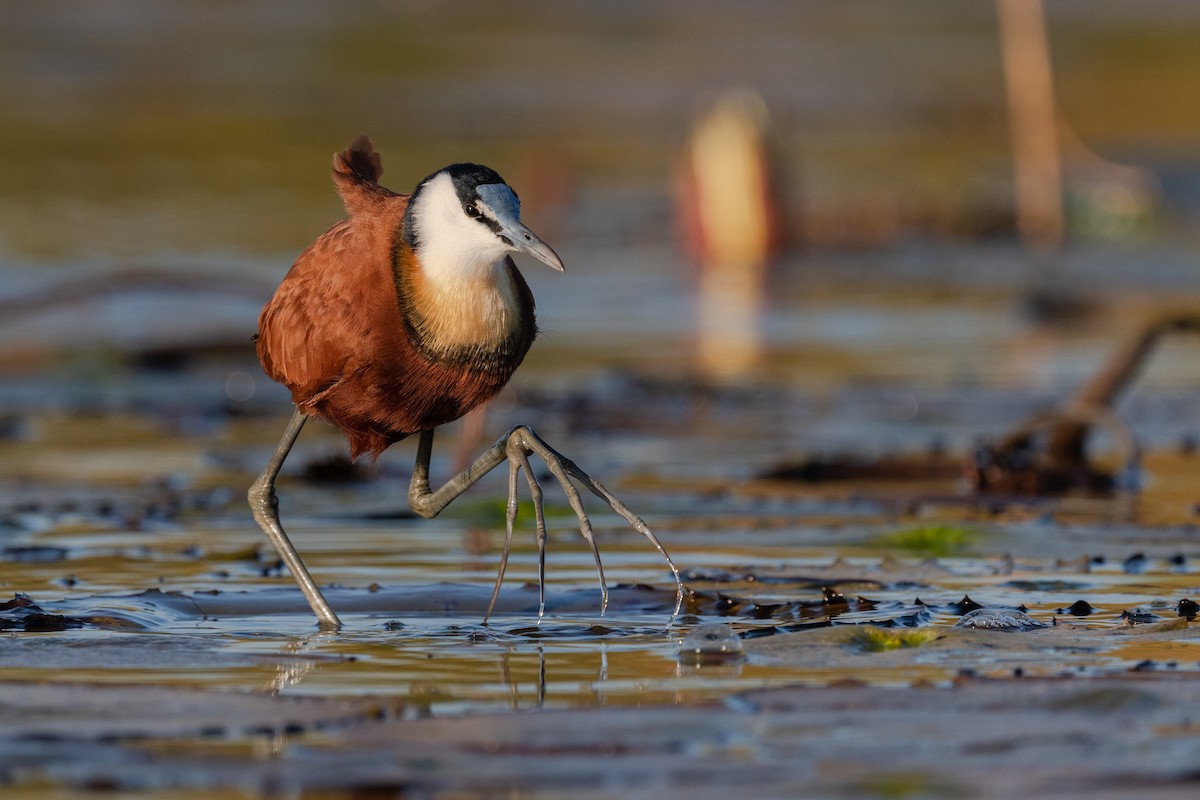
403, 317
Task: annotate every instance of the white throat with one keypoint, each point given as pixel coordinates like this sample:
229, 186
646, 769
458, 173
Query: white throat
453, 247
469, 299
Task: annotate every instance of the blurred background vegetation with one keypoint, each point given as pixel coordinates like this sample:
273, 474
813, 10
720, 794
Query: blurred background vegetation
194, 138
132, 129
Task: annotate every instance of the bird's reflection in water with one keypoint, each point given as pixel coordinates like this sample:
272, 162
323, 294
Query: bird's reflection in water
291, 671
436, 669
513, 684
711, 652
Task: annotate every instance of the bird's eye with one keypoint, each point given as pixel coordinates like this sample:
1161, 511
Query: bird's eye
471, 210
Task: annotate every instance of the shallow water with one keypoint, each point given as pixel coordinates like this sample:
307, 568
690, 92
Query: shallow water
163, 169
125, 532
196, 600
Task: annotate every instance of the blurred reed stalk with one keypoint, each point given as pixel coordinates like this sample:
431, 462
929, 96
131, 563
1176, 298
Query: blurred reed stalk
1037, 162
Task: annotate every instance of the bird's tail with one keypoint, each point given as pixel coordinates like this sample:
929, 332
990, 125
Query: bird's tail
358, 163
356, 172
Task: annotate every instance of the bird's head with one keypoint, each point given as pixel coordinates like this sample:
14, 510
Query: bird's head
463, 219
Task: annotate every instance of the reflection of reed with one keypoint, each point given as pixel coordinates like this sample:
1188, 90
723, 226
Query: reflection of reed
730, 228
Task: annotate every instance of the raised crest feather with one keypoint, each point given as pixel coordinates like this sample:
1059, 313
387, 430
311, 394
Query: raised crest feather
356, 172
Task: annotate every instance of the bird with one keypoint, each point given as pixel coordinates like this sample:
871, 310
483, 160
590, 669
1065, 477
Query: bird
402, 317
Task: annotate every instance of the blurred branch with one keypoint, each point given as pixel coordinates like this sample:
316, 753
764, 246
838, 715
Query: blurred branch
90, 287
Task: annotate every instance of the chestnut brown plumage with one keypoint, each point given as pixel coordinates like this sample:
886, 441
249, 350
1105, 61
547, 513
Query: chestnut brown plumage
405, 316
346, 330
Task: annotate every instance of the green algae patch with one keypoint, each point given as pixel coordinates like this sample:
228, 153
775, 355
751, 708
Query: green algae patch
871, 639
897, 785
490, 512
934, 541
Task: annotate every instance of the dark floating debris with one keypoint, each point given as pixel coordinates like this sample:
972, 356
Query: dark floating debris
1188, 608
1048, 454
865, 605
554, 631
22, 614
909, 469
1080, 608
1015, 466
1045, 456
832, 603
1045, 585
725, 604
1136, 564
999, 619
831, 596
966, 606
766, 610
717, 575
34, 554
1139, 615
795, 627
913, 620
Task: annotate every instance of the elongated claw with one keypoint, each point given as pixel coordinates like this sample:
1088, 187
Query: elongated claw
539, 513
510, 517
518, 457
638, 525
563, 469
555, 463
515, 448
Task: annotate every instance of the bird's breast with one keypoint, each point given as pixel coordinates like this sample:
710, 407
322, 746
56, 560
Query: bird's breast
481, 324
466, 313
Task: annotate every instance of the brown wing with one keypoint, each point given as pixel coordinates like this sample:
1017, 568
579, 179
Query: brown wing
303, 331
334, 332
311, 332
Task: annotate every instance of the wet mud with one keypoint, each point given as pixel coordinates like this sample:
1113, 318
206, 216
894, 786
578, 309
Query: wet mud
935, 496
854, 638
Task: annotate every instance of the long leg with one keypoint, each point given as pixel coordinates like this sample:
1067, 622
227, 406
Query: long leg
430, 503
561, 467
265, 506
